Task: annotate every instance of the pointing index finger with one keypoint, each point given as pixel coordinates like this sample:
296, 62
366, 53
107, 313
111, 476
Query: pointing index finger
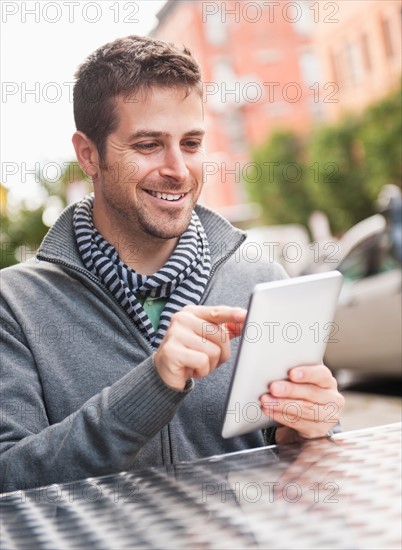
220, 314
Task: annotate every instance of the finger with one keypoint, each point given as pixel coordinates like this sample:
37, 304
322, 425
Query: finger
234, 329
319, 375
224, 331
218, 314
196, 363
308, 429
308, 420
217, 353
290, 412
185, 322
225, 321
218, 335
308, 392
191, 332
192, 364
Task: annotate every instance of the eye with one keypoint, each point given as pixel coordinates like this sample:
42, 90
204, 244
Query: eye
146, 146
192, 144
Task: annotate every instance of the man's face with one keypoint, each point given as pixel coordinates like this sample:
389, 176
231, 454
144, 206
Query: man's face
153, 174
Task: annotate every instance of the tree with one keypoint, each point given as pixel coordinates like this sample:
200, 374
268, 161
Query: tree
23, 230
278, 180
341, 168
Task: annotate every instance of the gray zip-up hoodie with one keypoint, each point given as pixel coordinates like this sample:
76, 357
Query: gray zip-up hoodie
80, 395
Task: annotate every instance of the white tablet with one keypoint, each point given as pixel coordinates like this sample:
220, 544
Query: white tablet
289, 323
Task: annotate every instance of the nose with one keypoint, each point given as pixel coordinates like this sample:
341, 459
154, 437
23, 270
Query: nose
174, 165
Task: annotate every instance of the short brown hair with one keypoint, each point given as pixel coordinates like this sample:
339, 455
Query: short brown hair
124, 68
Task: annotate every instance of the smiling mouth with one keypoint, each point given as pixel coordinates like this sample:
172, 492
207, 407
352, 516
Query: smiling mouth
166, 196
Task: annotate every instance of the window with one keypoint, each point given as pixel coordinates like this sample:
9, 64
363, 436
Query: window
334, 66
234, 123
366, 53
302, 17
309, 67
370, 257
387, 37
216, 29
354, 66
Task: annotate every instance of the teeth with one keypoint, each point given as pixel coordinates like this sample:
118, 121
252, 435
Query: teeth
166, 196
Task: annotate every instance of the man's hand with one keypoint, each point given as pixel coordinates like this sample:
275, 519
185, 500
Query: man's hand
197, 342
307, 405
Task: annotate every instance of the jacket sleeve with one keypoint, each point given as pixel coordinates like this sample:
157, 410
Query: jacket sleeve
101, 437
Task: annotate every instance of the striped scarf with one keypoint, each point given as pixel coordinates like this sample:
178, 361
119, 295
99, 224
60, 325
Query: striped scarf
182, 280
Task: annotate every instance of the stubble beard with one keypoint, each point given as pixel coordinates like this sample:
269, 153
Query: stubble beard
172, 228
134, 219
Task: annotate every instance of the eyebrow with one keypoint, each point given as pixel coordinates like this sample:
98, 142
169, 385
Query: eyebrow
155, 134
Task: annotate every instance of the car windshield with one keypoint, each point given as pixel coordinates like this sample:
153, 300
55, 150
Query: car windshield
368, 258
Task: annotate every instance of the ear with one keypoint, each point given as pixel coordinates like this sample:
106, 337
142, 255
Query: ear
87, 154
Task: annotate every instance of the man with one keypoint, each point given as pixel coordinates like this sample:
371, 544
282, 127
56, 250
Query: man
108, 364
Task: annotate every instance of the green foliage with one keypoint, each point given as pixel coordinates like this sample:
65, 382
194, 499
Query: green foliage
381, 132
21, 235
342, 168
340, 189
22, 232
277, 182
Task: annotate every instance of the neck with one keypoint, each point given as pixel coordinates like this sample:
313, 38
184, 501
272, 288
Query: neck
148, 259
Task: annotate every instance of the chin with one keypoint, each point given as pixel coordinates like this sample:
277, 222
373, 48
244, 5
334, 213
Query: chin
165, 233
172, 229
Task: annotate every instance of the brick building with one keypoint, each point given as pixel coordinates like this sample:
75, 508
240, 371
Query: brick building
257, 66
270, 65
360, 52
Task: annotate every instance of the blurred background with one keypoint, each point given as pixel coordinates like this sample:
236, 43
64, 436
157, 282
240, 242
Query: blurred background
303, 113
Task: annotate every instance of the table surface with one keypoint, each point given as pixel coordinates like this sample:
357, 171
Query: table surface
343, 492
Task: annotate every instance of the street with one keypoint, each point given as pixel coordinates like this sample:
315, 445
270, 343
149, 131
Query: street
372, 402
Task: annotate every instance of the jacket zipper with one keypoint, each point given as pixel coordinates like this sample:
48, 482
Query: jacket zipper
218, 264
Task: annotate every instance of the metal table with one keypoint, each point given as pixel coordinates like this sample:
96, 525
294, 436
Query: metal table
342, 492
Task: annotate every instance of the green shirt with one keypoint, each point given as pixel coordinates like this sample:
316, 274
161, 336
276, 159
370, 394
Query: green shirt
153, 307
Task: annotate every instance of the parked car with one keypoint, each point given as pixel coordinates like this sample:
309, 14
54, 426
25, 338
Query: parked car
369, 313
